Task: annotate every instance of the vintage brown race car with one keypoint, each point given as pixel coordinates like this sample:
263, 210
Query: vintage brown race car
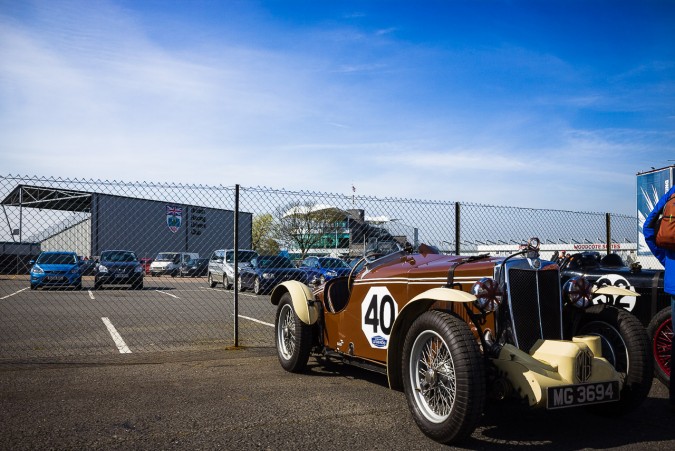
453, 331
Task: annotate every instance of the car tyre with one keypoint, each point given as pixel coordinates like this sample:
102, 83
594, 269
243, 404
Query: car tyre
97, 285
293, 338
212, 283
137, 285
33, 286
226, 282
443, 376
660, 331
625, 344
240, 284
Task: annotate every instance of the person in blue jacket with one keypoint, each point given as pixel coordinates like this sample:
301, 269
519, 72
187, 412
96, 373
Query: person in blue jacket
667, 259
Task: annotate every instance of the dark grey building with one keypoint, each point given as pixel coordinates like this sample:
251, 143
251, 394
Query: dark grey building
103, 221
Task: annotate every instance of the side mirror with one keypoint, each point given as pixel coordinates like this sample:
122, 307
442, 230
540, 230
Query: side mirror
32, 262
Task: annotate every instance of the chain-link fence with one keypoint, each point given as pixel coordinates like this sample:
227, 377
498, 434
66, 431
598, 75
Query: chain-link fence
94, 267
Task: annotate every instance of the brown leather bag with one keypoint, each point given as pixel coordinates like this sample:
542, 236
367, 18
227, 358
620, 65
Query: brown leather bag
665, 227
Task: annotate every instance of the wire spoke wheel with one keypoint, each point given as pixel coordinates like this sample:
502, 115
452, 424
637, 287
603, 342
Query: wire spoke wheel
293, 337
663, 342
435, 384
286, 332
660, 331
443, 376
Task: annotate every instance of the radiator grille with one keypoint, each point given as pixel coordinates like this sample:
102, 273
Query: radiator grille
535, 306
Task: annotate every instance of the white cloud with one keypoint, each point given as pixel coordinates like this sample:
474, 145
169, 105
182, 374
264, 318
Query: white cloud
87, 91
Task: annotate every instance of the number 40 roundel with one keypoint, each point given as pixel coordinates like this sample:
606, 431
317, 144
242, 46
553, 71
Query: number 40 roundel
378, 312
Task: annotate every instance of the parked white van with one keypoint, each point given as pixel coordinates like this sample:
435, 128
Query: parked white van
170, 262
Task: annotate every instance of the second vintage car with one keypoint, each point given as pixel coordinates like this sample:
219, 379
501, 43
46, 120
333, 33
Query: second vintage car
652, 307
453, 331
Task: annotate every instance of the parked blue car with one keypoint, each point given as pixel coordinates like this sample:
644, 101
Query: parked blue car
266, 271
321, 269
56, 269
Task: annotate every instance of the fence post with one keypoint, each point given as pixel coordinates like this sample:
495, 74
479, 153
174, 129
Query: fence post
457, 227
236, 265
608, 228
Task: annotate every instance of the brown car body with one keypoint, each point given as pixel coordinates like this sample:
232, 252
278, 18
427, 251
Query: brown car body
414, 317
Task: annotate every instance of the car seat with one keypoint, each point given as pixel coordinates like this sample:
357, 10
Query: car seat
336, 294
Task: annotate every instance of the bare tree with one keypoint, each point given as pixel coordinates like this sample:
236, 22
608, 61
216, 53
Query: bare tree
304, 224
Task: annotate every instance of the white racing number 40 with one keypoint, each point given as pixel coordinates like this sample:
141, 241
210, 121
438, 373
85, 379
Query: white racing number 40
378, 312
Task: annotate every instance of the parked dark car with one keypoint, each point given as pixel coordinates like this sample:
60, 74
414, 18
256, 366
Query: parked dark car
118, 267
321, 269
55, 269
652, 307
196, 267
266, 271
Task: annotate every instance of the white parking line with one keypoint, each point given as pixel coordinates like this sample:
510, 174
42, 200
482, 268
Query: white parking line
117, 338
256, 320
16, 292
230, 291
91, 295
168, 294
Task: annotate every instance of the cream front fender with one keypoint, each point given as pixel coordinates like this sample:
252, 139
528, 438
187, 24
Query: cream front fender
302, 298
614, 291
444, 294
417, 305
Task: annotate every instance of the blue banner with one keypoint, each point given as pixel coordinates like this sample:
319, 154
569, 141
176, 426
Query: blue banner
650, 187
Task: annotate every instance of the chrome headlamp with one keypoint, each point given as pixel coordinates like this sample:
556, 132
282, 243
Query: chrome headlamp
488, 294
578, 291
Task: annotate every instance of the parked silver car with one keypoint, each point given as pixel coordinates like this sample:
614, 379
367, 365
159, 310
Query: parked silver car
221, 265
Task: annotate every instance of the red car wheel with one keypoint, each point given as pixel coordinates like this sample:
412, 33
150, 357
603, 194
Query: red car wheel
661, 332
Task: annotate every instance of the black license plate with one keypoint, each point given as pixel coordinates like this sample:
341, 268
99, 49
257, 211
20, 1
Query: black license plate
582, 394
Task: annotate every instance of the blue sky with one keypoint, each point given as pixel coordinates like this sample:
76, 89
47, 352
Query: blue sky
540, 104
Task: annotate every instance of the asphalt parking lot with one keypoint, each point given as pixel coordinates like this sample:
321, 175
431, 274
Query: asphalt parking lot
183, 386
169, 314
242, 399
